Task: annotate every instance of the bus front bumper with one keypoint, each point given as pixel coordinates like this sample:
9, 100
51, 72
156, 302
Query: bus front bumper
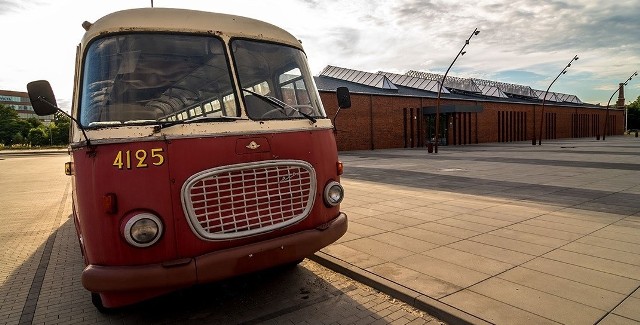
216, 265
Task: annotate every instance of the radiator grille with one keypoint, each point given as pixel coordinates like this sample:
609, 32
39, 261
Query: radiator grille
247, 199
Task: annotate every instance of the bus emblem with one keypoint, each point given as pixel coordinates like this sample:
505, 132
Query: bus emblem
253, 145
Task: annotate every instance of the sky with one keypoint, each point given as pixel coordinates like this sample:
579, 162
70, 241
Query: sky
527, 42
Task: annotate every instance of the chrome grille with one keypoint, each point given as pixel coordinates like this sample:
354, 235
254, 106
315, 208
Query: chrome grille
247, 199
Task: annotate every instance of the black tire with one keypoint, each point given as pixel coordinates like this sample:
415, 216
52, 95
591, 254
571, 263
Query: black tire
97, 302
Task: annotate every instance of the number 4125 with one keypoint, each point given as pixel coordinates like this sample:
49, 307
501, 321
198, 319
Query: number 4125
125, 159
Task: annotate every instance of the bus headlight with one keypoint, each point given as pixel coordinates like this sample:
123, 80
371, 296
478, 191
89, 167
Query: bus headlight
333, 193
142, 230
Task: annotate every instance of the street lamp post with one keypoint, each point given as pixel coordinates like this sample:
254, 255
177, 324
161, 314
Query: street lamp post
626, 118
544, 99
606, 119
475, 32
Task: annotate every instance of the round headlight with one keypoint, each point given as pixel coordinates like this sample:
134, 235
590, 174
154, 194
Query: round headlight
333, 193
143, 230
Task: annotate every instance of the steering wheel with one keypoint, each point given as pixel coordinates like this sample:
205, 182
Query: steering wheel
274, 113
293, 111
307, 109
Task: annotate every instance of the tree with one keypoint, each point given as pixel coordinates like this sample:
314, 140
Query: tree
38, 137
8, 124
18, 139
633, 117
14, 130
23, 127
34, 122
60, 130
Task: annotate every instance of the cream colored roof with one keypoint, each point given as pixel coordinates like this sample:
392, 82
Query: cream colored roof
188, 21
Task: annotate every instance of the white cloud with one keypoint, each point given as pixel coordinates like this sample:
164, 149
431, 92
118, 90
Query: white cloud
528, 40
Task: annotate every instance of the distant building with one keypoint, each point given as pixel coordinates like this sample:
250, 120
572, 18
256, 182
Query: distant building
392, 110
19, 101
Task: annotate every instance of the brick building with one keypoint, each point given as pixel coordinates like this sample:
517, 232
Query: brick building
399, 111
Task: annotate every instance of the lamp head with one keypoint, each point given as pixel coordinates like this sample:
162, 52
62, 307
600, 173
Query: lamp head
463, 52
476, 32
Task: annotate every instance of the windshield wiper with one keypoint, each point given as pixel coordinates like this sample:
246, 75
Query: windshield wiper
166, 124
214, 119
280, 104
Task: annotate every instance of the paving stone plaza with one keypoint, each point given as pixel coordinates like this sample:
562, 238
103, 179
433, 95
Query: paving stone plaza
505, 233
501, 233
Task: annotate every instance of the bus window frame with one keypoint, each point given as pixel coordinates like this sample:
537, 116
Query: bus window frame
233, 82
274, 80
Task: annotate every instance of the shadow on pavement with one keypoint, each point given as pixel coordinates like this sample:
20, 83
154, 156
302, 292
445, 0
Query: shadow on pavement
621, 203
291, 293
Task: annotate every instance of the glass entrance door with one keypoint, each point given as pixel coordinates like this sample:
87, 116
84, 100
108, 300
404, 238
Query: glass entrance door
430, 122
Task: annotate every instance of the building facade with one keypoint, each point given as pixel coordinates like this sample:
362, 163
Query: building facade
400, 111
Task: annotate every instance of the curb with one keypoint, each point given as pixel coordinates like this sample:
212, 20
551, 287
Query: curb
433, 307
33, 152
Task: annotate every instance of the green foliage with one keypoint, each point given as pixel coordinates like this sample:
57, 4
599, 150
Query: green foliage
23, 127
60, 130
18, 139
34, 122
59, 134
16, 131
7, 113
60, 118
38, 137
8, 124
633, 117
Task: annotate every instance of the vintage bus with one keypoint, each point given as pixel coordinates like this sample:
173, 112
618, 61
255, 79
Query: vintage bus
200, 151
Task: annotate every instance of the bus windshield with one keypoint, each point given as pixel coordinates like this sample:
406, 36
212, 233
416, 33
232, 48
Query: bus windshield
275, 80
139, 79
151, 78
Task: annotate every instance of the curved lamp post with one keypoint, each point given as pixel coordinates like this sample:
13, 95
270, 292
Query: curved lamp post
544, 99
606, 119
475, 32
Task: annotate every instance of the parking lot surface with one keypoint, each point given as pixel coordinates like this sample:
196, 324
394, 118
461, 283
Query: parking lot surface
505, 233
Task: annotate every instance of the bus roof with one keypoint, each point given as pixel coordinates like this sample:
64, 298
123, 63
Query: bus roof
187, 21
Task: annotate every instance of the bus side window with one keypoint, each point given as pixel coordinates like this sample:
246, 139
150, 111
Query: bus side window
292, 88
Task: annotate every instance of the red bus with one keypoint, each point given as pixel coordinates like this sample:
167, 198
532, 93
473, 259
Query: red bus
200, 150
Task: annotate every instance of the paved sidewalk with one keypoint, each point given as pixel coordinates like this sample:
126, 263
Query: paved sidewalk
501, 233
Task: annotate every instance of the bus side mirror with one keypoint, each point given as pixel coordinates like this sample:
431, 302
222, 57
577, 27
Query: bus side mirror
344, 98
344, 101
42, 98
44, 102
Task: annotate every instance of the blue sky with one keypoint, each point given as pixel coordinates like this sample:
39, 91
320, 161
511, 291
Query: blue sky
526, 42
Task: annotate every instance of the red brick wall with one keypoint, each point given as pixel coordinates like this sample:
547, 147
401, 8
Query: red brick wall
380, 122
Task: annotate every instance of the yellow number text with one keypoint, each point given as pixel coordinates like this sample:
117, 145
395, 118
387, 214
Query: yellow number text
123, 159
